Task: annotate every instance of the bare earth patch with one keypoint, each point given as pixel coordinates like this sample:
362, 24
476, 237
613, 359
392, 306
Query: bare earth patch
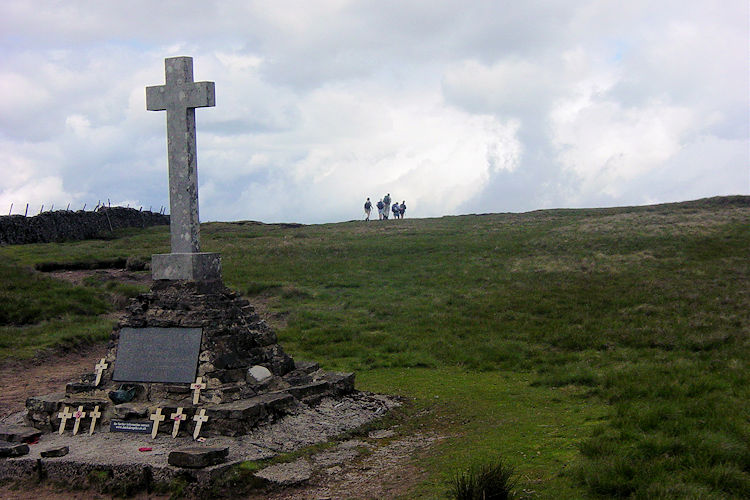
357, 470
49, 374
77, 277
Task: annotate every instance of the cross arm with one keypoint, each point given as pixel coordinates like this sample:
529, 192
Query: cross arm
192, 95
202, 95
156, 98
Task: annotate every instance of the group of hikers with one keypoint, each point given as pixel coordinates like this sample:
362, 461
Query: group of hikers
384, 208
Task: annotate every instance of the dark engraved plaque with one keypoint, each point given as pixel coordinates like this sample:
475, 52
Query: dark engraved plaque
131, 426
158, 355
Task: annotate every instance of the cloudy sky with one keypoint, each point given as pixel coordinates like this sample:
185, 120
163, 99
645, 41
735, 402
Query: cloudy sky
455, 107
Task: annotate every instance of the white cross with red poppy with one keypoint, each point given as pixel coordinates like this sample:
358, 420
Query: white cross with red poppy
178, 417
78, 415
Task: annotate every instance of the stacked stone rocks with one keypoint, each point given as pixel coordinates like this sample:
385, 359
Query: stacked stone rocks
64, 225
249, 378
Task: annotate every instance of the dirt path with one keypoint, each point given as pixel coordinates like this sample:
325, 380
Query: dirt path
22, 379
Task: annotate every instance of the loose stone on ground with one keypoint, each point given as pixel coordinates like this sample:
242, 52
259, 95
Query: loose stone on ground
13, 450
59, 451
197, 457
19, 433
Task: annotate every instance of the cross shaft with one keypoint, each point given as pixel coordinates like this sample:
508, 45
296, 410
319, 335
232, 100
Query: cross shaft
179, 97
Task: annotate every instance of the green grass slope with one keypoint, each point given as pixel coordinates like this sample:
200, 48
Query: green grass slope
602, 352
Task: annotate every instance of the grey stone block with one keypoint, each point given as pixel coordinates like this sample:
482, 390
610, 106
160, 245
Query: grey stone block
59, 451
77, 387
178, 389
130, 411
13, 450
277, 403
341, 382
313, 389
247, 410
45, 404
229, 361
257, 374
306, 367
228, 376
19, 433
201, 266
198, 457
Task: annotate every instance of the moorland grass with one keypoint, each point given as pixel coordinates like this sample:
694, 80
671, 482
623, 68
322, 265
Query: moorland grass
612, 342
27, 297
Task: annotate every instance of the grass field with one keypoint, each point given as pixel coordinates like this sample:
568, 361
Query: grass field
602, 353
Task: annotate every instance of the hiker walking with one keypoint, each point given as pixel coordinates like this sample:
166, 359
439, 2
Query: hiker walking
368, 208
380, 206
402, 209
387, 205
396, 210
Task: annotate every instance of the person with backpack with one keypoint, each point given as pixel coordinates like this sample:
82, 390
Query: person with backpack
368, 208
396, 210
402, 209
387, 205
380, 206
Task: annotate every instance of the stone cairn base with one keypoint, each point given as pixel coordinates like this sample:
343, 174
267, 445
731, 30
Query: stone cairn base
249, 378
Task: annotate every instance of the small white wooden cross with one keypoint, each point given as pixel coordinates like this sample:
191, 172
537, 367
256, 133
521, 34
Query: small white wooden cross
94, 414
199, 419
178, 417
78, 415
63, 416
157, 417
99, 368
196, 387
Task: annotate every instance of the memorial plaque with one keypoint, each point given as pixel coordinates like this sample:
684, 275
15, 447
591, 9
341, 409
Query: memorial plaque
167, 355
131, 426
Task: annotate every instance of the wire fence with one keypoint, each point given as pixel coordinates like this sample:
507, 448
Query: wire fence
99, 204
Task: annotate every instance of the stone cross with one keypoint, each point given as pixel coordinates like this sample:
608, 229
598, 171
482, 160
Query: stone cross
63, 416
178, 417
157, 417
94, 415
99, 368
78, 415
196, 387
199, 419
179, 97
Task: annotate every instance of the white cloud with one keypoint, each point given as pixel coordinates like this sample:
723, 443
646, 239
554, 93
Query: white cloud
474, 107
607, 145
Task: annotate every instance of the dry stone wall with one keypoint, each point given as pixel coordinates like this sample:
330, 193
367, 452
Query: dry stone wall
64, 225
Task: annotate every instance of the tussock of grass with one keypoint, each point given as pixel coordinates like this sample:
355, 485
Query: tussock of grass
487, 481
